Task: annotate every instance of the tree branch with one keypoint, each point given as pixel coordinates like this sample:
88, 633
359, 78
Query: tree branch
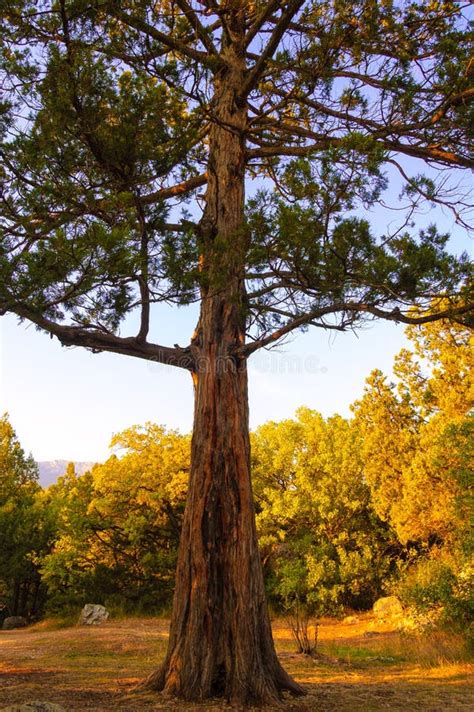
195, 23
169, 41
97, 340
431, 153
353, 308
176, 190
262, 18
272, 45
281, 150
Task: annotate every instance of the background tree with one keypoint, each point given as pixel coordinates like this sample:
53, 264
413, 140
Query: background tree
24, 529
118, 526
414, 435
417, 438
113, 113
323, 546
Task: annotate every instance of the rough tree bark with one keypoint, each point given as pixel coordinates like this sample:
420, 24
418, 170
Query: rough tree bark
220, 639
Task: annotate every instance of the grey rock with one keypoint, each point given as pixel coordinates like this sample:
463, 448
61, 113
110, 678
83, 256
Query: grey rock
14, 622
350, 620
388, 607
93, 614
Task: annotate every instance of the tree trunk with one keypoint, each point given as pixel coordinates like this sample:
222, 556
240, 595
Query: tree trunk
24, 595
15, 598
35, 596
220, 638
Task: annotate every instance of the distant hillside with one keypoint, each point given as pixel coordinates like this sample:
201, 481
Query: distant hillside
50, 471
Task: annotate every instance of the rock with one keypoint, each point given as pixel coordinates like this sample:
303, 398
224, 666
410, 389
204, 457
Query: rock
350, 620
14, 622
388, 607
34, 707
93, 614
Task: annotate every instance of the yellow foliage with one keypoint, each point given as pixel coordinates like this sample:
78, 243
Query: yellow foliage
409, 461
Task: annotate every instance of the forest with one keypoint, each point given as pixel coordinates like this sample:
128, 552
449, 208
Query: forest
348, 509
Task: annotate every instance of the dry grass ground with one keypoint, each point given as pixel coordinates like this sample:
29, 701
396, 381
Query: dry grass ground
95, 668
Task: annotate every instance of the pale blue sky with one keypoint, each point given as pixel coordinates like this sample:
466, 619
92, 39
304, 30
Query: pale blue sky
67, 403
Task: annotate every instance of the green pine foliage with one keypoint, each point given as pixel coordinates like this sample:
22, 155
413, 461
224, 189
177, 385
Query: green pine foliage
104, 141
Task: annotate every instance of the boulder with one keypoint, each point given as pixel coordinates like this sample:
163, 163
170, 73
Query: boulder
350, 620
14, 622
34, 707
388, 608
93, 614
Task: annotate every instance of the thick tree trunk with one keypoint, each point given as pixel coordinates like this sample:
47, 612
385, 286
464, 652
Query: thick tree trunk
220, 639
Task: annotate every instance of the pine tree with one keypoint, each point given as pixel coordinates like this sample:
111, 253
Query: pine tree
116, 115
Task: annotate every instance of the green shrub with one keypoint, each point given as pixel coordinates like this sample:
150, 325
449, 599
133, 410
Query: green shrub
437, 591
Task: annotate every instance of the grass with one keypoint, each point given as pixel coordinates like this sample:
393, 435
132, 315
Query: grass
96, 668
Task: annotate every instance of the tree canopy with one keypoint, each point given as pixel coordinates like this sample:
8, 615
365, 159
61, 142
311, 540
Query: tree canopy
106, 126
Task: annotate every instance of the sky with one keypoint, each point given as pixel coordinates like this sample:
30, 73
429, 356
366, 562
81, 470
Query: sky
66, 403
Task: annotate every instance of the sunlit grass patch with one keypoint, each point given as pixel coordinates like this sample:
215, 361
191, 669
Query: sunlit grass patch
96, 668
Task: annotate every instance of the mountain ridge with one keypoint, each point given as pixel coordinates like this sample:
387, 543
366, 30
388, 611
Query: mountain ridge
50, 470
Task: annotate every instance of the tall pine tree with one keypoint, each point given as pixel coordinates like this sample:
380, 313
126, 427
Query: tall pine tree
116, 114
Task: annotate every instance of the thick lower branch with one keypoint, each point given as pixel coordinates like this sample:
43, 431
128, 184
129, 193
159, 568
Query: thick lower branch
177, 190
97, 341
